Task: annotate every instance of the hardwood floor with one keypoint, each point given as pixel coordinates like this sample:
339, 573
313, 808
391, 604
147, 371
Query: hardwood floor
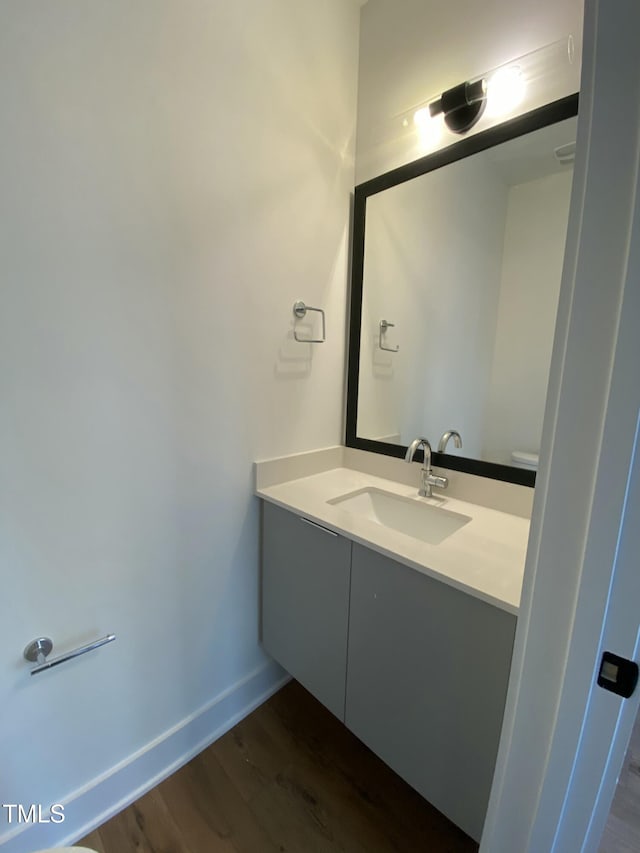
288, 779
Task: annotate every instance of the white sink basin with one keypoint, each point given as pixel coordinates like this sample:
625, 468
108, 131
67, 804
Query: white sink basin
411, 516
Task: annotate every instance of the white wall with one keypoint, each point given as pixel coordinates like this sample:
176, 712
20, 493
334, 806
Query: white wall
174, 176
411, 50
534, 241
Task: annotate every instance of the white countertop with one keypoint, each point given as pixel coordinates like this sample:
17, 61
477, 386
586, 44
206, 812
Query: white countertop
485, 558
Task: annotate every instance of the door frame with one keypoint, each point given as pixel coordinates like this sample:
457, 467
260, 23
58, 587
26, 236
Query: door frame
563, 739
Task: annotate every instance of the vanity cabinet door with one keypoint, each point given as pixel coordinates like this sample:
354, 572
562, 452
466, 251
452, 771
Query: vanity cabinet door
427, 679
305, 602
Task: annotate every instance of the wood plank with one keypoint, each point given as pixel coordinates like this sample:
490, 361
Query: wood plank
302, 818
290, 778
216, 792
94, 842
255, 758
195, 810
250, 756
146, 827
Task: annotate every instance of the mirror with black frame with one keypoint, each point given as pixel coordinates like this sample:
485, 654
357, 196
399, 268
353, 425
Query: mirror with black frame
456, 268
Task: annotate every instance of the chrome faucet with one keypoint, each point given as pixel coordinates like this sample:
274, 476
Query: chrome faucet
450, 433
428, 478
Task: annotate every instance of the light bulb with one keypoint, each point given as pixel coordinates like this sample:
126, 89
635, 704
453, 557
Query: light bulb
429, 128
505, 90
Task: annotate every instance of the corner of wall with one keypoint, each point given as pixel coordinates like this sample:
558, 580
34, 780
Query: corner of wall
114, 790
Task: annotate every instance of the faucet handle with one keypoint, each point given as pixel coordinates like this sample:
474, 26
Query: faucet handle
428, 480
436, 480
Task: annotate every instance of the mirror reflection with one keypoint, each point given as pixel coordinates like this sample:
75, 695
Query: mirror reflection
461, 276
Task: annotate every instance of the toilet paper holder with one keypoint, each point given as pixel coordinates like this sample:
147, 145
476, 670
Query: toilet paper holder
38, 650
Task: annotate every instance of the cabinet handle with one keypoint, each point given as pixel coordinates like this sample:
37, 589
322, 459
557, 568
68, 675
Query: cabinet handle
319, 526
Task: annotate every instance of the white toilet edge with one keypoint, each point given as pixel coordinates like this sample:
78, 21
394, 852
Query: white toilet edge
66, 850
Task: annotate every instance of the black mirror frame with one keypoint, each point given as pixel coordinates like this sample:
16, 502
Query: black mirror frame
535, 120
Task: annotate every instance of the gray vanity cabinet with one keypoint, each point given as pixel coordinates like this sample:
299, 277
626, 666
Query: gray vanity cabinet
427, 680
428, 665
305, 602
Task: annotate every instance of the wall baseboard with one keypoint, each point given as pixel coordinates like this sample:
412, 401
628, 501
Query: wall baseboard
103, 797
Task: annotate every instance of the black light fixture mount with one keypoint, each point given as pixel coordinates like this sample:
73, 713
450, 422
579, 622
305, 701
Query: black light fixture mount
462, 105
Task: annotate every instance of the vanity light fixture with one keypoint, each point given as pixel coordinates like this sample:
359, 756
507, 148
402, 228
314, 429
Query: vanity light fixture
532, 80
462, 105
